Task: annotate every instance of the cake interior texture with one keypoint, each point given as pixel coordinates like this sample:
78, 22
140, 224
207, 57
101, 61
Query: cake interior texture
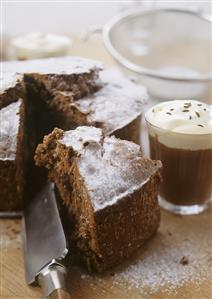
110, 191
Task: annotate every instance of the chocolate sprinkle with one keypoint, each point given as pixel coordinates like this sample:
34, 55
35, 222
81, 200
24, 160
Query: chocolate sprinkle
190, 117
199, 104
172, 109
187, 105
186, 110
201, 126
168, 113
197, 113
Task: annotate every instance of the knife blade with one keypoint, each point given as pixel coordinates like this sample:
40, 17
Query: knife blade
45, 245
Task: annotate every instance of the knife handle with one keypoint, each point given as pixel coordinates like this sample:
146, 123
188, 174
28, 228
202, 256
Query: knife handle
52, 281
59, 294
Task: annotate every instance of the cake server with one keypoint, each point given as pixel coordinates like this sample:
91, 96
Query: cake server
45, 245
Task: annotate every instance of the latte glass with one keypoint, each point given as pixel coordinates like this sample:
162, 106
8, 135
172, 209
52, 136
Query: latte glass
186, 186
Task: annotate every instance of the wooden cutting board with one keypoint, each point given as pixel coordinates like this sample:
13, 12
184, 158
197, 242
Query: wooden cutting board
174, 231
176, 263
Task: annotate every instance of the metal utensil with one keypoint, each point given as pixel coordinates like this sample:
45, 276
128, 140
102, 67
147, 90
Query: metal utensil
45, 245
147, 43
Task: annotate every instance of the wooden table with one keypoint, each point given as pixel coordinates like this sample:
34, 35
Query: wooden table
174, 232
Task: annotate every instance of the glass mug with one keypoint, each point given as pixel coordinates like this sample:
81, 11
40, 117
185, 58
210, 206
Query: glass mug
186, 186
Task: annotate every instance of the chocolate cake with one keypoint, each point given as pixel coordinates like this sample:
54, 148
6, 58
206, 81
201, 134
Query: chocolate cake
76, 74
109, 188
116, 107
67, 92
34, 82
12, 147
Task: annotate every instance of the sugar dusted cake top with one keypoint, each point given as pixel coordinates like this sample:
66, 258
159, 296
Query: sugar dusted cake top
111, 168
9, 119
62, 65
14, 71
8, 80
77, 139
116, 104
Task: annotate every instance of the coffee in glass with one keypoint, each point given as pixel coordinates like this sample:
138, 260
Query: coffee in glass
180, 135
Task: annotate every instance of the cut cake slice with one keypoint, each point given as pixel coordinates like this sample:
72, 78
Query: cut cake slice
109, 188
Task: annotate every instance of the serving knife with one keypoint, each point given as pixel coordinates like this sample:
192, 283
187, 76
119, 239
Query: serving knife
45, 245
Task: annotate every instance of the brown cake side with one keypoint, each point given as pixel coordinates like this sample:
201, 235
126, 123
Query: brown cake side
12, 156
110, 191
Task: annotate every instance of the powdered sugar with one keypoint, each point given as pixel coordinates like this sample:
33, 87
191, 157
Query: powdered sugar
161, 267
115, 105
9, 80
80, 136
158, 268
10, 236
62, 65
111, 168
9, 119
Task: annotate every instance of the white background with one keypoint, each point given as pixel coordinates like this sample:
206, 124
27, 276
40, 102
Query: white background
71, 16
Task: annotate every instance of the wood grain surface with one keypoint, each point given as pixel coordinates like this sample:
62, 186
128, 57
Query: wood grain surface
173, 230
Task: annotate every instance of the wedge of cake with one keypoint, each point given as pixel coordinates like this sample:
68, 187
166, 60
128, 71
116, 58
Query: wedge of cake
109, 188
116, 107
12, 154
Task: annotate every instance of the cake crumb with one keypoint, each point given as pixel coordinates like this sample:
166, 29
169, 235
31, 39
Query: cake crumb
184, 261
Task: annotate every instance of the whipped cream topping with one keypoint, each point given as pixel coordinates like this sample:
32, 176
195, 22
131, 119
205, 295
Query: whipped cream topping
181, 124
39, 45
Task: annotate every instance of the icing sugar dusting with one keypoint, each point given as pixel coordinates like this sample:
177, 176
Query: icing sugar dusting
106, 164
10, 236
118, 103
61, 65
162, 266
9, 119
8, 80
179, 255
80, 136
